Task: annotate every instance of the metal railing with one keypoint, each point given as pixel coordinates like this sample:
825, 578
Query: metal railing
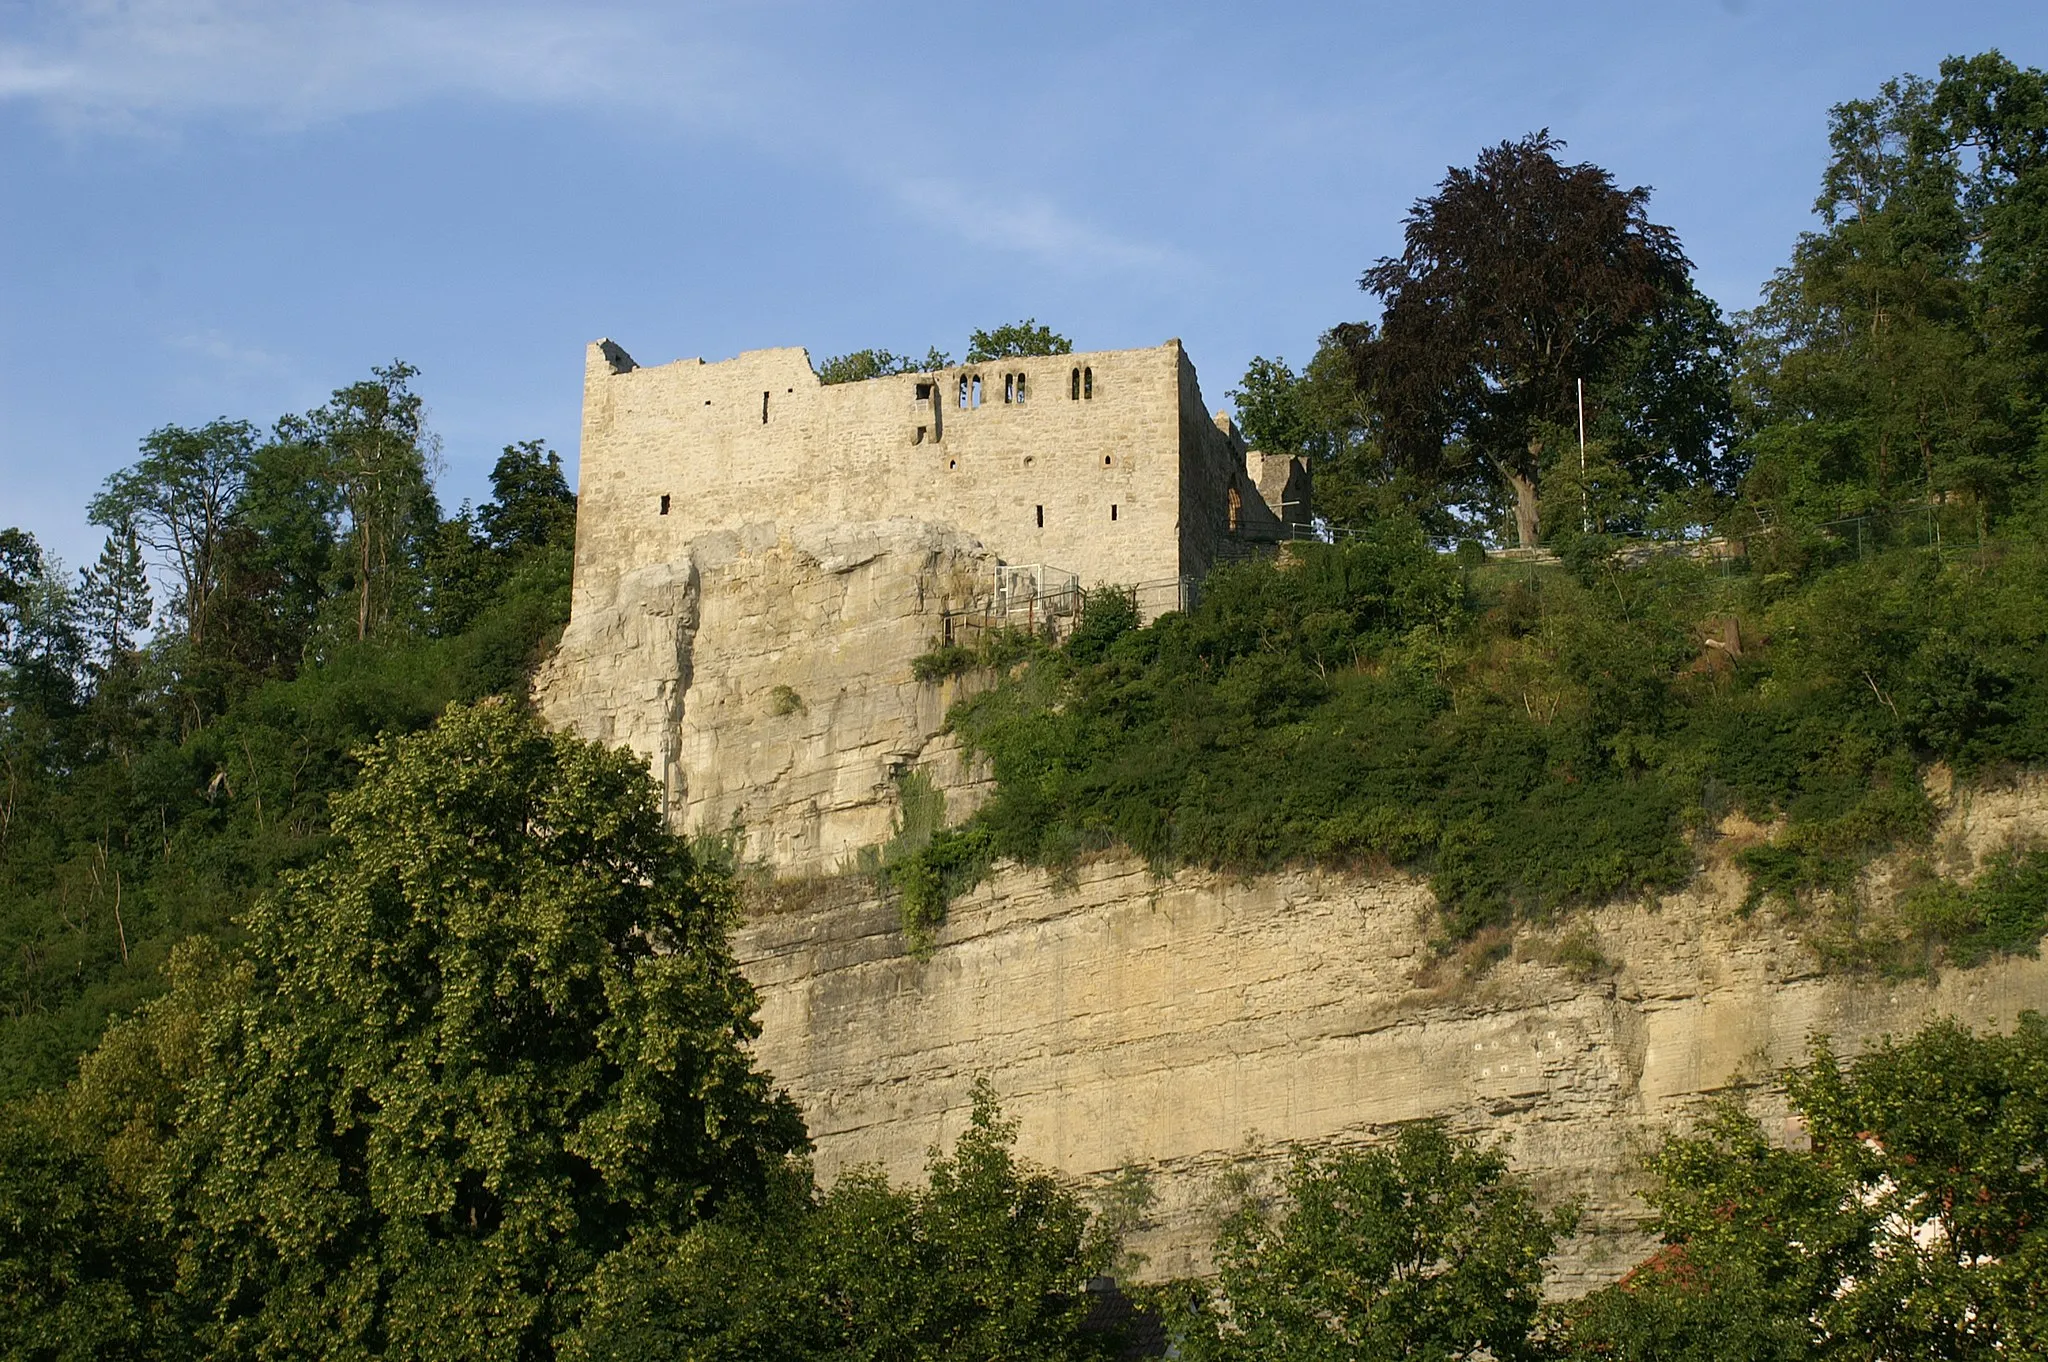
1046, 602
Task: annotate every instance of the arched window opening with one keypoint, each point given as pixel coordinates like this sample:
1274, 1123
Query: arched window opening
1236, 507
1074, 387
1087, 384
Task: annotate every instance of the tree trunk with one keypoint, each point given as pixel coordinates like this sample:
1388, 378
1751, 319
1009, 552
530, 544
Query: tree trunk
1525, 503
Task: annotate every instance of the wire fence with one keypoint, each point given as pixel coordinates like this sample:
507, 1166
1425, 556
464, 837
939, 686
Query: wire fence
1046, 601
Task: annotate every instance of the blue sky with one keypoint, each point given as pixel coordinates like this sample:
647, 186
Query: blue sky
219, 207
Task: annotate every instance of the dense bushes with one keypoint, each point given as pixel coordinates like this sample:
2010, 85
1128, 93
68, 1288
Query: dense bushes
1529, 738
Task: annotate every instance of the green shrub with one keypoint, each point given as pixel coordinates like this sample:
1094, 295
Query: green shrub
1528, 739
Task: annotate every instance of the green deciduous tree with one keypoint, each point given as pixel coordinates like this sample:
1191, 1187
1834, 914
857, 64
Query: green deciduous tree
1915, 1225
862, 365
987, 1262
531, 505
1900, 356
492, 1031
84, 1274
377, 453
179, 499
1016, 339
1430, 1248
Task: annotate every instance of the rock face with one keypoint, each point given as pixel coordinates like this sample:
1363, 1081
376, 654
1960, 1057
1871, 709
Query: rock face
765, 674
1190, 1024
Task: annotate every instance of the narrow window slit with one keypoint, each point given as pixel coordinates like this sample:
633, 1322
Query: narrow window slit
764, 409
1112, 510
664, 503
1041, 517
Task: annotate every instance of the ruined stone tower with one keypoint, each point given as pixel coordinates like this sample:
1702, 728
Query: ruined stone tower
760, 556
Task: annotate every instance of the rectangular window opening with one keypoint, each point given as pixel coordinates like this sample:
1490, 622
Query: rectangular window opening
664, 503
1041, 517
918, 438
764, 409
1112, 510
924, 392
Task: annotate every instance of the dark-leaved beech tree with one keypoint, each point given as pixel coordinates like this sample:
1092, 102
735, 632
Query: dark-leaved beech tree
493, 1029
1519, 277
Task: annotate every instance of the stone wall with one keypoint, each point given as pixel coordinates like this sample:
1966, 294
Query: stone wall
1188, 1024
1099, 485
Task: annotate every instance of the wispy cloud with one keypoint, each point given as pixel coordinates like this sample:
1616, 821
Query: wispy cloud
134, 63
1027, 222
233, 358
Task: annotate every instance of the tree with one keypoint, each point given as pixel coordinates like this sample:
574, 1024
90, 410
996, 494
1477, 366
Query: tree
987, 1262
1428, 1248
1519, 277
377, 447
179, 499
83, 1272
1274, 409
42, 652
493, 1030
1016, 340
1915, 1224
531, 505
862, 365
21, 566
113, 597
1898, 359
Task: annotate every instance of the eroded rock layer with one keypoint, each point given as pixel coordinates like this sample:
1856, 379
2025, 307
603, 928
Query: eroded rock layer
766, 677
1189, 1024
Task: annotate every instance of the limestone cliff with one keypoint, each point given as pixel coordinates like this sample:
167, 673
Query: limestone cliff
1185, 1024
766, 677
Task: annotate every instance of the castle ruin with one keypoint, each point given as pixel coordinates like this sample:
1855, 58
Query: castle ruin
761, 555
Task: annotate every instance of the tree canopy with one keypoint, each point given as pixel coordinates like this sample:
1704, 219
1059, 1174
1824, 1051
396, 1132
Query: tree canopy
1428, 1247
1016, 339
1520, 276
1911, 1226
488, 1035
